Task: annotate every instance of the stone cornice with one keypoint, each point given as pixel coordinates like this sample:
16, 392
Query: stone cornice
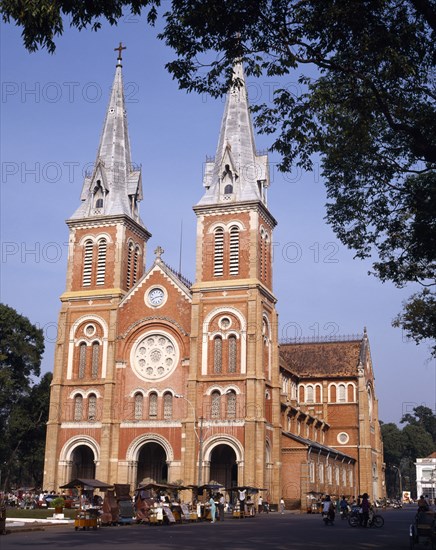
236, 208
108, 221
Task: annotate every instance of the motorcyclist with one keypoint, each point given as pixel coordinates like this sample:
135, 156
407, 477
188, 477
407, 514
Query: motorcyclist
328, 510
343, 506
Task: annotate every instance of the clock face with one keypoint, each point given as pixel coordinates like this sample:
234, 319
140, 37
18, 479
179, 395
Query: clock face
154, 356
156, 296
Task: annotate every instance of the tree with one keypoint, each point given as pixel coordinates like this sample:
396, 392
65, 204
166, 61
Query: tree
368, 109
22, 412
424, 417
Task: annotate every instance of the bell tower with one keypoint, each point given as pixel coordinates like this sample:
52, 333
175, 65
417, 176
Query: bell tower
233, 376
107, 245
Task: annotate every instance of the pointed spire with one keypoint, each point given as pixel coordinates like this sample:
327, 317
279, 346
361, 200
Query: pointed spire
237, 173
113, 187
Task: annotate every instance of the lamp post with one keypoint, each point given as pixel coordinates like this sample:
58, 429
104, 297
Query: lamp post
199, 437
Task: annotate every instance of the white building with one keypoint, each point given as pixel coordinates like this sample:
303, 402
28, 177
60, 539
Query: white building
426, 476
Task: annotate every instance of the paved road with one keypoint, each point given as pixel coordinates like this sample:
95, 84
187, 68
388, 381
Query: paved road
273, 531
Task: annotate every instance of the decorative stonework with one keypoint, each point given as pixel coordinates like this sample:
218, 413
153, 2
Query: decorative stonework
155, 356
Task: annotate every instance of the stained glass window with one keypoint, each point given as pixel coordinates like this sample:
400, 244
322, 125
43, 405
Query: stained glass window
82, 360
78, 407
92, 407
218, 355
95, 359
152, 405
216, 404
232, 353
231, 405
139, 403
168, 406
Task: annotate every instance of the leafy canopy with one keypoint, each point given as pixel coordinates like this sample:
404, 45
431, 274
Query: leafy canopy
365, 102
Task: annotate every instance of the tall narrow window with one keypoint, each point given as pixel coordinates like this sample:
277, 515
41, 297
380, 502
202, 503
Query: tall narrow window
101, 261
341, 393
168, 406
92, 407
309, 394
218, 263
129, 266
87, 263
216, 404
139, 404
152, 405
217, 355
232, 353
82, 360
78, 408
265, 257
261, 253
234, 251
231, 404
135, 265
95, 359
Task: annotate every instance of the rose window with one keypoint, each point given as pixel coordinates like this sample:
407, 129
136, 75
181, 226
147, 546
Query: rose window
154, 356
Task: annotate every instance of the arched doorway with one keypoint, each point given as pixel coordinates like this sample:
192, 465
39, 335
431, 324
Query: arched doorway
223, 466
152, 464
83, 463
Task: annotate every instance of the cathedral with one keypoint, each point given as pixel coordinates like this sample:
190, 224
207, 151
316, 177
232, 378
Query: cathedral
161, 379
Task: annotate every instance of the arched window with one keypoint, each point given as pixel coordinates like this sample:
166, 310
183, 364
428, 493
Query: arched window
234, 251
92, 407
129, 265
78, 408
95, 359
218, 263
82, 360
217, 355
87, 262
342, 398
99, 203
228, 189
152, 405
232, 353
309, 394
265, 256
216, 404
135, 264
101, 261
168, 406
231, 404
139, 405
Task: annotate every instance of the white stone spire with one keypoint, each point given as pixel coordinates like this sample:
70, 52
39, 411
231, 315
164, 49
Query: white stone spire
237, 173
113, 187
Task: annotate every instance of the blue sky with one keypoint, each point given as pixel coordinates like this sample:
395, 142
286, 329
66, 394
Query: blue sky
52, 112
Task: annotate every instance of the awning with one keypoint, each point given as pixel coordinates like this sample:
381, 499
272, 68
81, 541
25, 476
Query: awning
87, 484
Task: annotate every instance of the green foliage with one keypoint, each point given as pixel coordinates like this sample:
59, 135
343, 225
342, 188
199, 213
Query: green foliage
57, 502
403, 446
23, 403
365, 101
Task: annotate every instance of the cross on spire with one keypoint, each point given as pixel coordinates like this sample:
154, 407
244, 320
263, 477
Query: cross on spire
120, 49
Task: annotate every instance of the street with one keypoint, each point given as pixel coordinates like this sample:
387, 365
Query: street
299, 532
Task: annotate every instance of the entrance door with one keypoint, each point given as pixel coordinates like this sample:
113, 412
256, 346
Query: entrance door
152, 464
83, 463
223, 467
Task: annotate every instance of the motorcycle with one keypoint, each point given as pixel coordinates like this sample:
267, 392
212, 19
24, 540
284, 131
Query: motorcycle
328, 518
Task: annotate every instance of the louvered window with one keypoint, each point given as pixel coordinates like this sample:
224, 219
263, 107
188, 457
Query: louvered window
232, 353
78, 408
135, 265
234, 251
168, 406
152, 405
218, 269
101, 261
87, 263
92, 407
129, 266
216, 404
82, 360
95, 359
139, 403
231, 405
218, 355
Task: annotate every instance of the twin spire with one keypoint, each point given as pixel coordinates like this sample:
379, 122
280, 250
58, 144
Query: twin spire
114, 187
236, 174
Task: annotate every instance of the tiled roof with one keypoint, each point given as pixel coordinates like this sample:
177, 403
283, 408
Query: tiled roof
319, 359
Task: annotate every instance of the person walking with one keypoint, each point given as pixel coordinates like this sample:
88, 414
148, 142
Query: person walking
221, 504
282, 505
212, 508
